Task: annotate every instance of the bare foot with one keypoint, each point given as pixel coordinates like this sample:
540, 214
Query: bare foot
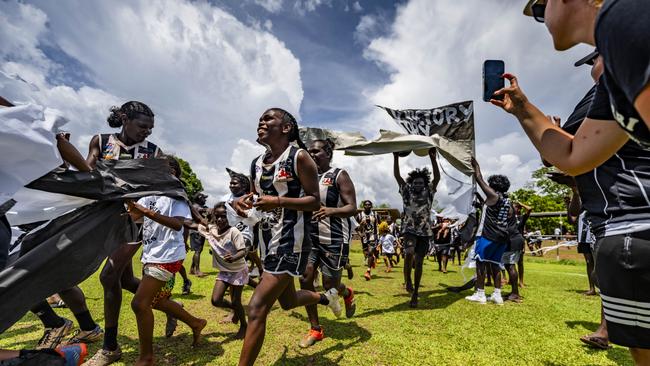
514, 298
591, 293
229, 318
241, 334
522, 285
196, 331
200, 274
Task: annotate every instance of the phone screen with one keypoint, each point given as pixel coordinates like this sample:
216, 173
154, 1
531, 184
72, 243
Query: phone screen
492, 78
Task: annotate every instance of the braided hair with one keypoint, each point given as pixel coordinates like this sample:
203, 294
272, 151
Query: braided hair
328, 146
294, 135
129, 109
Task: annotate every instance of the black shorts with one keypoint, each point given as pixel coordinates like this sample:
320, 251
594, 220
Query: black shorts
331, 259
293, 264
584, 248
419, 243
443, 249
623, 271
196, 241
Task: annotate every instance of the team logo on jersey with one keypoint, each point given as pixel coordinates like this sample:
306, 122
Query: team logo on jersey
284, 170
327, 181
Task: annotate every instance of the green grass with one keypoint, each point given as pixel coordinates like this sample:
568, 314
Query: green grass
444, 330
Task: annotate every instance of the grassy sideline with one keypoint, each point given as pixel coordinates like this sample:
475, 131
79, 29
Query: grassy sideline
444, 330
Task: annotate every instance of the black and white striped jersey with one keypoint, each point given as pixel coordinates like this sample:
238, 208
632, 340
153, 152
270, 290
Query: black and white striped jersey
584, 230
111, 148
331, 231
616, 195
282, 231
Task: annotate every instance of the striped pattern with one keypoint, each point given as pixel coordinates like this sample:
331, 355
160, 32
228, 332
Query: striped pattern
111, 148
626, 312
333, 232
283, 231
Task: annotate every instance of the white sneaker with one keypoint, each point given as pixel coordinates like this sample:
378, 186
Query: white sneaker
334, 305
477, 297
496, 298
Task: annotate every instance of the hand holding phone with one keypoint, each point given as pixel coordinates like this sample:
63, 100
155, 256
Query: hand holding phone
493, 71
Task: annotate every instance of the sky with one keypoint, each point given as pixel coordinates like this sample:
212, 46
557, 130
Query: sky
209, 69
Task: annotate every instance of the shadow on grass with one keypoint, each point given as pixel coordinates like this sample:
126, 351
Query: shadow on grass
177, 350
426, 302
21, 330
350, 331
621, 356
590, 326
192, 296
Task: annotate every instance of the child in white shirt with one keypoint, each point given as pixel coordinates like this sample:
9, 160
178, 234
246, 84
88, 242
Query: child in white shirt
228, 255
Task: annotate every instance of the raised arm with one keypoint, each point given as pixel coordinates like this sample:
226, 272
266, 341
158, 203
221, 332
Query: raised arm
491, 196
396, 173
593, 144
434, 168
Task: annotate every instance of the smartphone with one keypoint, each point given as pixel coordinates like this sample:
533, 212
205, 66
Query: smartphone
493, 71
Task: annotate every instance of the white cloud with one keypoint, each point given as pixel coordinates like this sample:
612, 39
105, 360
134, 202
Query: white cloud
272, 6
206, 75
433, 53
304, 6
357, 7
367, 29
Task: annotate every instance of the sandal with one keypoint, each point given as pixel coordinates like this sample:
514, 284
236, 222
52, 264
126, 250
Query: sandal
596, 342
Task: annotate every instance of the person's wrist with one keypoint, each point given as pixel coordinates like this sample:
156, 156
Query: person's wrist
279, 202
526, 111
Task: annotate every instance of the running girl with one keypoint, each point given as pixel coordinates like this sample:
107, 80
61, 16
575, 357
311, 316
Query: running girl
286, 180
228, 255
162, 256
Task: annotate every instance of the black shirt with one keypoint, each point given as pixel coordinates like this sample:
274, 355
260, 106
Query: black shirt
622, 38
615, 194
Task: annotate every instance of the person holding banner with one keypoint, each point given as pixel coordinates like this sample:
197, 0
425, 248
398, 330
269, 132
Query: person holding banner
493, 234
417, 193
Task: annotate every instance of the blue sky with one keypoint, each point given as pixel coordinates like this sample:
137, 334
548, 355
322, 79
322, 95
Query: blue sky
208, 70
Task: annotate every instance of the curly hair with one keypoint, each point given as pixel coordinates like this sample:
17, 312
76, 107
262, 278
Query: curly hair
499, 183
129, 109
423, 173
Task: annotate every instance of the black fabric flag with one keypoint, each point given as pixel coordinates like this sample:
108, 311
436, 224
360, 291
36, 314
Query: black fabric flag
70, 248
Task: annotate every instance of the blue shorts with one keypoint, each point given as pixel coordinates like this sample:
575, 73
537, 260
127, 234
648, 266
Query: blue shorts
489, 251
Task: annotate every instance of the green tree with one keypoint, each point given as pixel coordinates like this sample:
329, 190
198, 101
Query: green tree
544, 195
189, 179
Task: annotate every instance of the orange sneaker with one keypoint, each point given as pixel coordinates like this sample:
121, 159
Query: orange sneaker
312, 337
367, 275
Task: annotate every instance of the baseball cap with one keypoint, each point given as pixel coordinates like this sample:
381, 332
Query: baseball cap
535, 9
589, 59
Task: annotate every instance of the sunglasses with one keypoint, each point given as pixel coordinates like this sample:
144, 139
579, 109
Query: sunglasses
538, 8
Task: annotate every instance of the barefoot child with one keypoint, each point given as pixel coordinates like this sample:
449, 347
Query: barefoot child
387, 242
162, 256
228, 254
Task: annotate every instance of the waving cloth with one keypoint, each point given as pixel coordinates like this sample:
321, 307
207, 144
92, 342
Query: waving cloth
388, 142
70, 248
341, 139
450, 127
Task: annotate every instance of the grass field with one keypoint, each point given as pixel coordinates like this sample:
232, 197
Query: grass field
444, 330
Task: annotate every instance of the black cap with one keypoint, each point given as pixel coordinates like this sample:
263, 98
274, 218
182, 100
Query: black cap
590, 59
